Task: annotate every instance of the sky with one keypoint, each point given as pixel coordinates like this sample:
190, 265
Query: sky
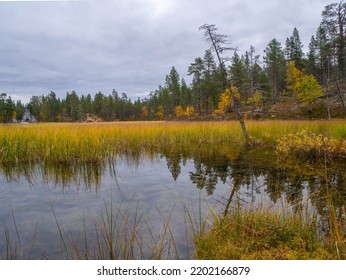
131, 45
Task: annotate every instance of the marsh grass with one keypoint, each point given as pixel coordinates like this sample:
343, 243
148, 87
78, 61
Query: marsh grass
264, 234
92, 143
121, 234
14, 249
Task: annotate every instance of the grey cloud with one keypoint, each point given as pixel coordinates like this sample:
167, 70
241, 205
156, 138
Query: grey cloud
130, 45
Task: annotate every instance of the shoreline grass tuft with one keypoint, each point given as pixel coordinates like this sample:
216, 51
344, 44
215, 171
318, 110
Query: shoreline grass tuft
262, 234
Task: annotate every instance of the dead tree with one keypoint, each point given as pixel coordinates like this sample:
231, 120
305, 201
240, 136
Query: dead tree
218, 44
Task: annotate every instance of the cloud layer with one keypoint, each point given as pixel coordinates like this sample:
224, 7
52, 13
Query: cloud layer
130, 45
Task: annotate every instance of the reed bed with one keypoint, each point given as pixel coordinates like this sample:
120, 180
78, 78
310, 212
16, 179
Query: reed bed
89, 143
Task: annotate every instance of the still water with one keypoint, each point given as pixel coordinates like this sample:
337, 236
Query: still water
47, 211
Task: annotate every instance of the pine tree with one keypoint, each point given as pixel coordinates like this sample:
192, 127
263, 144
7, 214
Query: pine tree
311, 66
173, 85
294, 50
324, 56
186, 94
334, 22
209, 85
275, 66
196, 69
7, 108
239, 75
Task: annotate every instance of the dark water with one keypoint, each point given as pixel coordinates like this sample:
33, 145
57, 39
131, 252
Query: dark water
43, 208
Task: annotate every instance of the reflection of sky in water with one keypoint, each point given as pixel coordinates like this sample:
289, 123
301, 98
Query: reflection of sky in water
147, 188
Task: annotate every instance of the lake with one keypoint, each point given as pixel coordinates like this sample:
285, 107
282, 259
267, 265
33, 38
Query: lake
152, 203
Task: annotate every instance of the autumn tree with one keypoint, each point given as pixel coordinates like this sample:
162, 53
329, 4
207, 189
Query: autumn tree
226, 101
304, 87
189, 111
179, 111
144, 112
160, 112
218, 43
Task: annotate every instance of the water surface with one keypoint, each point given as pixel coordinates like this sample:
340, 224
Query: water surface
41, 207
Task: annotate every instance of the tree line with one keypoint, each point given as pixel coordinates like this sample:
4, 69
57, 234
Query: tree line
252, 81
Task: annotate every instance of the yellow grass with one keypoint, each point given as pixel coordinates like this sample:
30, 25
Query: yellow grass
264, 234
81, 143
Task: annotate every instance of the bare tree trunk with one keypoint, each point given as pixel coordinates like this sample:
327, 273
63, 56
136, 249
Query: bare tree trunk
341, 47
217, 41
341, 95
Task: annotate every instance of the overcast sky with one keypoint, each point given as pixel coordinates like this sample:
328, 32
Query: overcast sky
130, 45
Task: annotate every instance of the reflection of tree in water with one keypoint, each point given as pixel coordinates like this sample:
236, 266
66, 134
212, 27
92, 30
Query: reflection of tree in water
292, 183
328, 194
63, 175
209, 171
205, 177
246, 173
173, 165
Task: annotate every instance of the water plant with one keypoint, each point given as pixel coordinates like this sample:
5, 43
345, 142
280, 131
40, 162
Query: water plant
121, 234
87, 143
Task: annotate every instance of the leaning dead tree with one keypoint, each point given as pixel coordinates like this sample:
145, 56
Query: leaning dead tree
218, 43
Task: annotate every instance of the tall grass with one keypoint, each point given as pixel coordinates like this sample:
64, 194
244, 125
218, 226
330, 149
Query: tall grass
86, 143
266, 234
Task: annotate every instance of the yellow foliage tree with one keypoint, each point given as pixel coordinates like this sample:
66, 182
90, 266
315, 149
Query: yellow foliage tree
226, 101
144, 112
179, 111
190, 111
257, 99
160, 112
294, 75
305, 87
